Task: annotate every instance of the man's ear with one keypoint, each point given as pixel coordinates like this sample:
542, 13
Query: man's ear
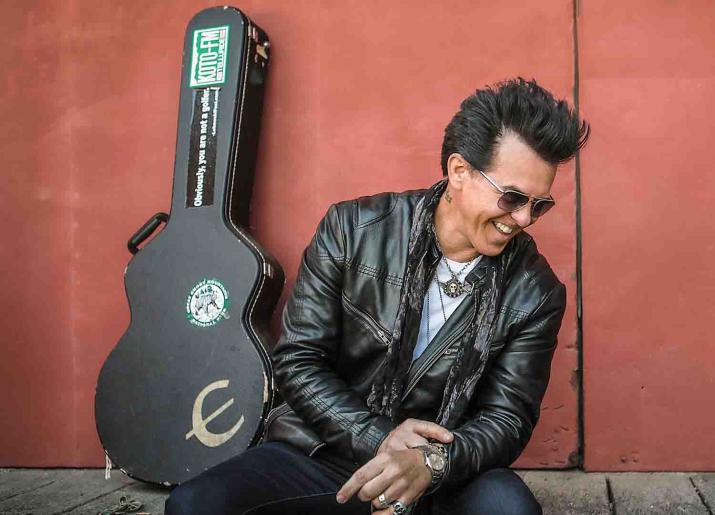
457, 171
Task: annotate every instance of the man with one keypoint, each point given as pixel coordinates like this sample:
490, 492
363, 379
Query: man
417, 343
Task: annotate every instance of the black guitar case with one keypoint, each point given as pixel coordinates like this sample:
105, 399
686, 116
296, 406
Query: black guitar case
190, 382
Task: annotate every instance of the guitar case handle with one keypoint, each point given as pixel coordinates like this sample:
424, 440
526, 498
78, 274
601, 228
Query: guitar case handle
145, 231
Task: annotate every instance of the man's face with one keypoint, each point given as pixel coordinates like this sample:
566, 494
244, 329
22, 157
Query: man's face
515, 166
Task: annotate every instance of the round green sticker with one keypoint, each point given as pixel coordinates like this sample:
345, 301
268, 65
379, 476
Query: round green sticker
207, 303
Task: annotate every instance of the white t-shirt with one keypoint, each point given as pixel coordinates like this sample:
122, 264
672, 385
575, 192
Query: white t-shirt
432, 308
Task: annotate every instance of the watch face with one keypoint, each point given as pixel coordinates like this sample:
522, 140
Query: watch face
436, 462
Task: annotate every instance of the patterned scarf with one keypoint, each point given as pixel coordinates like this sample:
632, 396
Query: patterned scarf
386, 393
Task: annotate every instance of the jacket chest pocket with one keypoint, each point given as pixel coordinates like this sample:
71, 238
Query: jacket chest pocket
494, 350
358, 319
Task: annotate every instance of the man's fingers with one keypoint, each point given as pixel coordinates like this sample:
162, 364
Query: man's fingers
361, 476
376, 486
432, 430
394, 492
408, 442
415, 440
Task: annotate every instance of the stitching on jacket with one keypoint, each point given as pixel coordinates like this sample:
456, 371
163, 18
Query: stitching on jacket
343, 238
372, 437
324, 407
325, 256
377, 273
301, 297
341, 420
518, 314
523, 319
316, 251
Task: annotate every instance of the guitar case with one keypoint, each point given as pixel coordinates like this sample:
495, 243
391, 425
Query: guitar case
190, 383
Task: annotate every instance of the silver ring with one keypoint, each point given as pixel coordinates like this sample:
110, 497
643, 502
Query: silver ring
383, 502
399, 507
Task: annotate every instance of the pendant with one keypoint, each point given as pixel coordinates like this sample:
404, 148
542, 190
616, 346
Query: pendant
452, 288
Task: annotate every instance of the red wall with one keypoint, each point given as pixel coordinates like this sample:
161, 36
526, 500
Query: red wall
648, 87
358, 95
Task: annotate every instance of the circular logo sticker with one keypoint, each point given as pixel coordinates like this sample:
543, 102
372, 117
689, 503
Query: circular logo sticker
207, 303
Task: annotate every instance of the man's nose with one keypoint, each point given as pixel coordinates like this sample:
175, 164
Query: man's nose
522, 216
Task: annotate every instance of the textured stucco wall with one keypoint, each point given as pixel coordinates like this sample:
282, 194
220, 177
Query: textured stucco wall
647, 79
358, 95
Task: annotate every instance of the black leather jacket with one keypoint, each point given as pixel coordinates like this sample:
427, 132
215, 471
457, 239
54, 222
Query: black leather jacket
338, 321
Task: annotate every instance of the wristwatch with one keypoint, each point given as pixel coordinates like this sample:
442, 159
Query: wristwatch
436, 460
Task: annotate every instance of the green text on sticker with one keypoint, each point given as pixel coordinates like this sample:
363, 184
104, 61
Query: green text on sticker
208, 57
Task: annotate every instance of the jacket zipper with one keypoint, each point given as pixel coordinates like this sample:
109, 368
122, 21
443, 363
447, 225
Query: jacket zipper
433, 359
376, 329
447, 351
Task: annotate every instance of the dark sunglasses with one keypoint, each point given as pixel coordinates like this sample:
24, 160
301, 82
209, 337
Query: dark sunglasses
511, 200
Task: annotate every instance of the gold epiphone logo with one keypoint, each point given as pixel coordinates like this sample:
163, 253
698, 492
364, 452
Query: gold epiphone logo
199, 423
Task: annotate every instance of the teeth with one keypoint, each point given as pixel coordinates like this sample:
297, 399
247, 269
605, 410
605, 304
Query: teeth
503, 228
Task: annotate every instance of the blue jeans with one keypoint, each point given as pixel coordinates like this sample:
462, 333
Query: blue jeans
276, 478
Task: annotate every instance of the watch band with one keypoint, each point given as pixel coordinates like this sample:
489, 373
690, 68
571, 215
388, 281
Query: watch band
434, 449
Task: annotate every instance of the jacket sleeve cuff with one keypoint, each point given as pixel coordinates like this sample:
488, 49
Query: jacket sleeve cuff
452, 474
371, 439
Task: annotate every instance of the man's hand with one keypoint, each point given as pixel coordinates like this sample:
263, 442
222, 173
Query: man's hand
399, 475
413, 432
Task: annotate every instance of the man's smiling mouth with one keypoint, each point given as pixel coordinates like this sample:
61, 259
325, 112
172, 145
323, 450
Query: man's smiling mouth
503, 228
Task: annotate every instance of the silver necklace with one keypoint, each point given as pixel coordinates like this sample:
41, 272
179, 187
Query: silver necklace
454, 287
441, 301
